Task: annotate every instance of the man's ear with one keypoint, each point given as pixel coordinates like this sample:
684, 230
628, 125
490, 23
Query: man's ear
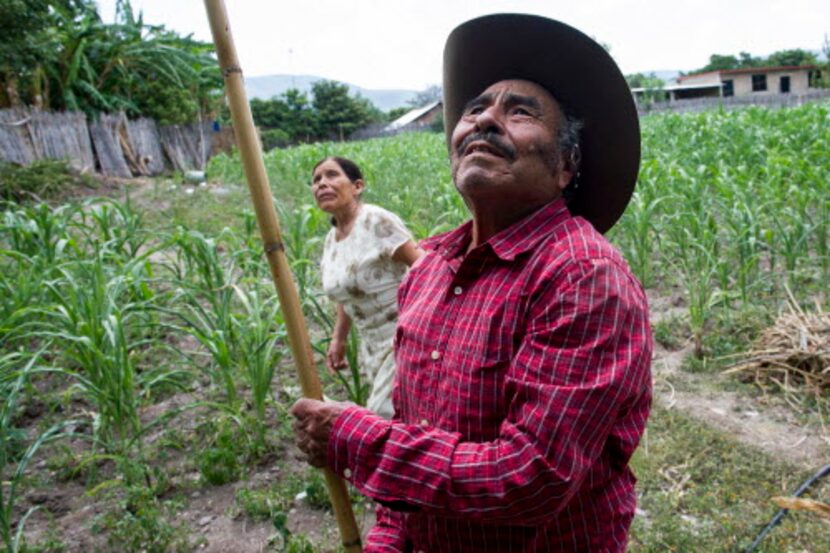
570, 167
564, 177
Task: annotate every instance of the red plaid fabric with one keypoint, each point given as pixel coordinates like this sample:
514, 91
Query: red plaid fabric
523, 388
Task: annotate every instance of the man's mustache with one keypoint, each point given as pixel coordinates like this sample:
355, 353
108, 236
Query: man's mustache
493, 140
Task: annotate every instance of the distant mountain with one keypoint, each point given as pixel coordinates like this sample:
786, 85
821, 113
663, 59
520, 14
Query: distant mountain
266, 86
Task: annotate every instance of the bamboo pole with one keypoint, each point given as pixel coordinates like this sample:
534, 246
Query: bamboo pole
251, 153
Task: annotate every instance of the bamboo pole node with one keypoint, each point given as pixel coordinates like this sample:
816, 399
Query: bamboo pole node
232, 69
272, 247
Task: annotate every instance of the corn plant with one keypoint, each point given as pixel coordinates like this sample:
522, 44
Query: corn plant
113, 227
357, 389
639, 238
39, 232
206, 300
792, 233
211, 323
303, 231
13, 378
745, 236
262, 337
20, 288
96, 324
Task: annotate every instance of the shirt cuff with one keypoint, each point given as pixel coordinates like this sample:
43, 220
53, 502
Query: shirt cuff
351, 442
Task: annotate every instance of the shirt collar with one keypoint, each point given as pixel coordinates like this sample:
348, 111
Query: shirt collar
516, 239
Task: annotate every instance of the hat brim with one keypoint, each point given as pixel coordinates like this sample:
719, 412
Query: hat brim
580, 75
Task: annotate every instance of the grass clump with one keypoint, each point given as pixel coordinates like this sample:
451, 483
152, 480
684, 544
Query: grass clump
221, 462
701, 491
141, 523
41, 180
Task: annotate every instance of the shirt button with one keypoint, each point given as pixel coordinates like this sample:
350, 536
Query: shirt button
424, 422
436, 355
347, 473
457, 290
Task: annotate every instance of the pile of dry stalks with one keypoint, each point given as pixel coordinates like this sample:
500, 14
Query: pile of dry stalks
793, 354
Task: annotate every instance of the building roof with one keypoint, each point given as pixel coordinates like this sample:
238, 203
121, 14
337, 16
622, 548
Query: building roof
771, 69
411, 116
670, 87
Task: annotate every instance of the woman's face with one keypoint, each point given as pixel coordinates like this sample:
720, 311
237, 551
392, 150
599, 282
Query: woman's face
332, 189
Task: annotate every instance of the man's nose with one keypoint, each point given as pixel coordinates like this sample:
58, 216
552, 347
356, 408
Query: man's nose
489, 120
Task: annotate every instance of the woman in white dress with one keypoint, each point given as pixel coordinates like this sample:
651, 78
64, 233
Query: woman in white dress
365, 257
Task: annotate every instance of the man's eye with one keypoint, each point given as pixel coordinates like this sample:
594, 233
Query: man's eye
475, 110
521, 111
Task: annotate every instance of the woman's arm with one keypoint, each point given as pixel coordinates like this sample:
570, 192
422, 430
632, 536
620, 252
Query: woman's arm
409, 252
336, 355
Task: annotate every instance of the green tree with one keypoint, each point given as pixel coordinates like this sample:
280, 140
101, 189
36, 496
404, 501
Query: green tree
794, 57
285, 119
652, 84
303, 120
640, 80
747, 60
338, 114
24, 49
59, 54
394, 113
718, 62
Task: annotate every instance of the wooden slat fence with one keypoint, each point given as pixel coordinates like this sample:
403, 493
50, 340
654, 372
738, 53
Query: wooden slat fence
112, 145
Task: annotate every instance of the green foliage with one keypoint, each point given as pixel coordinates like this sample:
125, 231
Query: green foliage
65, 57
338, 114
290, 118
15, 372
25, 43
669, 333
641, 80
395, 113
700, 491
220, 462
745, 60
317, 495
796, 56
141, 523
41, 180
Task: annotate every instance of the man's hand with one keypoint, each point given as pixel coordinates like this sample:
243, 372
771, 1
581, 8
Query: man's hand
315, 420
336, 356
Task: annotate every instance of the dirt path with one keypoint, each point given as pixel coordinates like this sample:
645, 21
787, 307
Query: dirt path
750, 420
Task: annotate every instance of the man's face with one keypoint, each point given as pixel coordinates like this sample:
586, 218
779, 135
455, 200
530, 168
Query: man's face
504, 148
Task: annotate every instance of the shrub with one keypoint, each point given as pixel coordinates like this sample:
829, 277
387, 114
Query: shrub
40, 180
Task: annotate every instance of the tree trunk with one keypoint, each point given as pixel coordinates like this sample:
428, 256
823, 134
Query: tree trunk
37, 87
12, 92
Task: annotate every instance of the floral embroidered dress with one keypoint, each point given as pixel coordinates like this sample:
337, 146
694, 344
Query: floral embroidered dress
359, 273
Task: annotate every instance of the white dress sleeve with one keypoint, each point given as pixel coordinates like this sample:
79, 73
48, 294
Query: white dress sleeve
388, 231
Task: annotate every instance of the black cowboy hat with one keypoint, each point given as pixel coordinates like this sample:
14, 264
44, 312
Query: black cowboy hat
582, 77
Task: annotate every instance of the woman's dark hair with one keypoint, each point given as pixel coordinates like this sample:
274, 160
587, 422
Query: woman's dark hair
348, 166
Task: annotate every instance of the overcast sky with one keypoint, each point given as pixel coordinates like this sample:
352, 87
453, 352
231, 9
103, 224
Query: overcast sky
399, 43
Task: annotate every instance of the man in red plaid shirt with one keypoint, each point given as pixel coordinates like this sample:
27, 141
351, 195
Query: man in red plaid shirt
523, 346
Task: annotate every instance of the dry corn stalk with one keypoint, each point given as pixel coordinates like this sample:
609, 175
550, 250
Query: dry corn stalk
796, 349
798, 504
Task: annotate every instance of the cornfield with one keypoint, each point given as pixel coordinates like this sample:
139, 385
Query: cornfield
103, 316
